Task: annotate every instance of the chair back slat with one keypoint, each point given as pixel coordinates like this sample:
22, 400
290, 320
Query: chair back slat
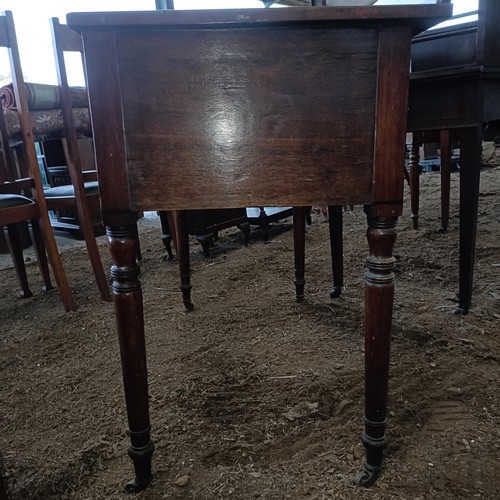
64, 39
67, 39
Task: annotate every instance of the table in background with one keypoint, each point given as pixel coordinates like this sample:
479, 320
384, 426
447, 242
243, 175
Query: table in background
455, 90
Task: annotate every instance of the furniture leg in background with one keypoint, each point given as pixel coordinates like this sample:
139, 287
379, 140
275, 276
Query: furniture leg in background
445, 146
299, 243
456, 92
335, 223
15, 247
470, 161
166, 234
413, 160
182, 246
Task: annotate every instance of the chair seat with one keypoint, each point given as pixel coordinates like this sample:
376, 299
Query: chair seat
14, 200
68, 191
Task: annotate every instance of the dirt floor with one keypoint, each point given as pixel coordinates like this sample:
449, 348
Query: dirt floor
254, 395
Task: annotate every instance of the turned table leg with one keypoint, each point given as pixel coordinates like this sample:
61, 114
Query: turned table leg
413, 159
379, 296
127, 298
445, 145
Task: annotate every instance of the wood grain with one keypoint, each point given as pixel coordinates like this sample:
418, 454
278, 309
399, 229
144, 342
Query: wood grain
279, 108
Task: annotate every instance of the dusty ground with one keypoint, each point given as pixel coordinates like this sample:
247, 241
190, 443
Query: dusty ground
224, 378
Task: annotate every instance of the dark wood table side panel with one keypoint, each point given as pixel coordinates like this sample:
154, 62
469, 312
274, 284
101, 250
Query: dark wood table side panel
443, 104
491, 99
433, 50
279, 108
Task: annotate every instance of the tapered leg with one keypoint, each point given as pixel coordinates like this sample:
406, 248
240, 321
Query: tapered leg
166, 235
413, 160
206, 241
307, 215
41, 255
299, 242
379, 296
336, 248
470, 166
93, 250
264, 224
127, 295
15, 247
245, 227
136, 236
182, 245
445, 145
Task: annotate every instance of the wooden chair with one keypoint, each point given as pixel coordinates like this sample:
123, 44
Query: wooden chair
83, 192
21, 190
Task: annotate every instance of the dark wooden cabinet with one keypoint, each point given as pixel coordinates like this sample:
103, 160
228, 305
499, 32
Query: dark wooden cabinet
454, 95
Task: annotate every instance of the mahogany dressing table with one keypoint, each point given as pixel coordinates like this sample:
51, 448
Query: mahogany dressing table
264, 107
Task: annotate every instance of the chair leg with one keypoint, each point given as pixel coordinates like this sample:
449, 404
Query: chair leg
93, 251
15, 247
41, 254
56, 263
